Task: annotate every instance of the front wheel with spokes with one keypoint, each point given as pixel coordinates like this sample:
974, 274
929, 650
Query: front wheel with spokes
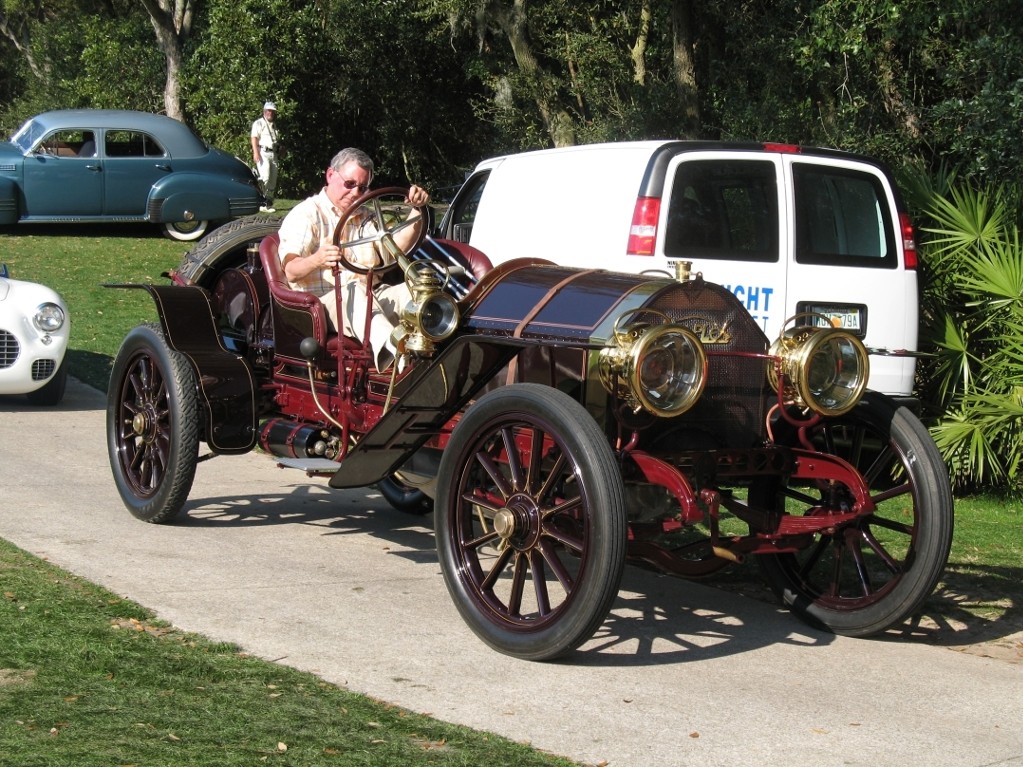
531, 523
869, 575
153, 425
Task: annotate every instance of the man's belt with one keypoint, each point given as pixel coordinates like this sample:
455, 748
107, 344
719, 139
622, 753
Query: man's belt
266, 149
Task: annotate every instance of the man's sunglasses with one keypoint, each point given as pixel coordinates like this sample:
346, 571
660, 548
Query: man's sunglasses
349, 184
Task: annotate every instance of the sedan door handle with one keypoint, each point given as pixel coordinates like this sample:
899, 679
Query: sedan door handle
163, 167
92, 167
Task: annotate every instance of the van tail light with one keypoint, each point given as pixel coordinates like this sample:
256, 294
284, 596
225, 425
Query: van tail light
643, 232
908, 241
782, 148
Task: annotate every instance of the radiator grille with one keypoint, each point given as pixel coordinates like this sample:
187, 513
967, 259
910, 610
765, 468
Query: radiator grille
9, 349
731, 412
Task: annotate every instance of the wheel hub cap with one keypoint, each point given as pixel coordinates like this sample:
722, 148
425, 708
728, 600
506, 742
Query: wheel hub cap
518, 524
141, 425
504, 524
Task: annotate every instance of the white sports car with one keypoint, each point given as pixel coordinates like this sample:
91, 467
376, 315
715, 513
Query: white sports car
34, 329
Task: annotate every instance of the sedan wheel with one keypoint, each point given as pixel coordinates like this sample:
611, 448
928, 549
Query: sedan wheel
185, 231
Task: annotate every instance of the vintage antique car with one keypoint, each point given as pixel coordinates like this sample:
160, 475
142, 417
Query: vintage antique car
34, 330
102, 165
558, 421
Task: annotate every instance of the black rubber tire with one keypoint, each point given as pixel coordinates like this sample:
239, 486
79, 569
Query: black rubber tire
153, 425
405, 498
52, 392
225, 248
552, 584
871, 575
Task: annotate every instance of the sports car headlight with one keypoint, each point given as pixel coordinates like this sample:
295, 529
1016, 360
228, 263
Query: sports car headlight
658, 368
823, 369
49, 318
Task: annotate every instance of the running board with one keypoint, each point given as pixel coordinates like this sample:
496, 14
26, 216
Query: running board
313, 467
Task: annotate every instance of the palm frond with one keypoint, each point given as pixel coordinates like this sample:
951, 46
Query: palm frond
966, 218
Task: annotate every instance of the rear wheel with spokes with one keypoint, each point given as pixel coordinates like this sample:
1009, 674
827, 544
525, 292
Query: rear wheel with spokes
531, 524
869, 575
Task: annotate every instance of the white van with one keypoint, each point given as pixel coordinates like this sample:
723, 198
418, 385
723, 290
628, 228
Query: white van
788, 229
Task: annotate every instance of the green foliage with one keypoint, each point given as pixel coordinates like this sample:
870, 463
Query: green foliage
342, 74
973, 320
243, 54
86, 54
430, 87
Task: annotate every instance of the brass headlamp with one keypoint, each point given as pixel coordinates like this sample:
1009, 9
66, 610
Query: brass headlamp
658, 367
431, 315
822, 368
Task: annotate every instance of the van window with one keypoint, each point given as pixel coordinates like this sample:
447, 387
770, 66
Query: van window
464, 207
723, 209
842, 218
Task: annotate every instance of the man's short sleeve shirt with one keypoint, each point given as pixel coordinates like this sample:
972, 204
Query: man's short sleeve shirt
264, 132
311, 222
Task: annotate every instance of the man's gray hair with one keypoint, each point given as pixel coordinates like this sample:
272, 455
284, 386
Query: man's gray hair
351, 154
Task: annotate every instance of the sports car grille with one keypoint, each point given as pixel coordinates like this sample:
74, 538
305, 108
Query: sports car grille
9, 349
43, 369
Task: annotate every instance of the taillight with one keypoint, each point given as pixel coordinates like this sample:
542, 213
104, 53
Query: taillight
908, 241
643, 232
782, 148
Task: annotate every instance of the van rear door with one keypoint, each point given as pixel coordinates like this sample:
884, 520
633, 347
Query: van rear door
723, 213
848, 261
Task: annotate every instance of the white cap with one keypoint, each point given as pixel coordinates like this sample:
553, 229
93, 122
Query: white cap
269, 105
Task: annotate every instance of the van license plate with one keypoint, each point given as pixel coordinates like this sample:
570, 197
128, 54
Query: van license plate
847, 317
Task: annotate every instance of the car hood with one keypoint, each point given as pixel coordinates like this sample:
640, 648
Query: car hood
29, 294
7, 149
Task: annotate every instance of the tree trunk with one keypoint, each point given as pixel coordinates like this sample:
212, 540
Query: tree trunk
17, 32
172, 23
512, 22
684, 65
639, 48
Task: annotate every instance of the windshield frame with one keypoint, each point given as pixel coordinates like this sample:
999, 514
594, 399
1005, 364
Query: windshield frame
28, 135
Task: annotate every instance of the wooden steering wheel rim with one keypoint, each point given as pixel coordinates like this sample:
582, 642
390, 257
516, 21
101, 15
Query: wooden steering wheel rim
366, 197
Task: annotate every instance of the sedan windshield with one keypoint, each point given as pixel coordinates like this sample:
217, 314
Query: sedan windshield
27, 135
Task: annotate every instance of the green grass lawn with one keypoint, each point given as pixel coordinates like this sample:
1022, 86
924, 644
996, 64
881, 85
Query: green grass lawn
91, 680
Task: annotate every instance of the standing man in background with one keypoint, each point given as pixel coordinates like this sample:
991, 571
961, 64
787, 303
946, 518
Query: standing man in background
265, 151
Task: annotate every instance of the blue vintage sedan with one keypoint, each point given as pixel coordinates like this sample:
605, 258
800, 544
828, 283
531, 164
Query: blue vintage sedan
102, 165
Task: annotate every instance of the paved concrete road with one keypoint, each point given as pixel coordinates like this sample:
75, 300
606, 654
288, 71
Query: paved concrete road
335, 583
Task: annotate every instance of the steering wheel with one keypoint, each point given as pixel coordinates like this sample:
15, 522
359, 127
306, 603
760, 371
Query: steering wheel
386, 213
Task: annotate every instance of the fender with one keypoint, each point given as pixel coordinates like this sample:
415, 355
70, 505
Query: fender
435, 393
8, 201
174, 196
227, 388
